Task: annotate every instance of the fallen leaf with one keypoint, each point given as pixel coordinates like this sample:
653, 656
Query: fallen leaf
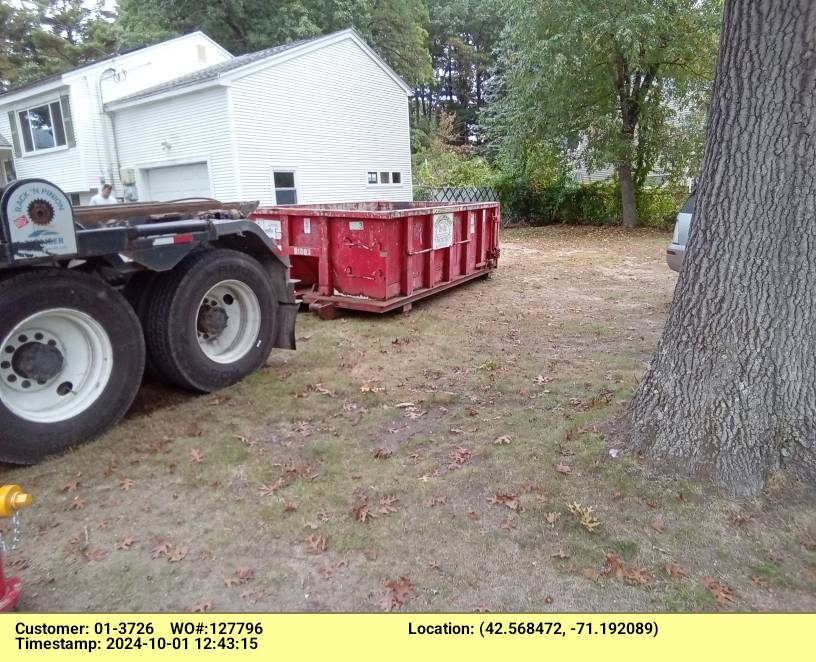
563, 469
458, 457
438, 499
676, 571
399, 592
290, 506
382, 453
77, 503
740, 520
202, 606
651, 504
585, 516
507, 499
508, 524
316, 544
361, 513
125, 543
72, 486
473, 516
266, 489
616, 495
658, 525
548, 600
591, 574
483, 609
541, 379
160, 548
251, 595
721, 592
91, 554
196, 455
371, 554
503, 440
552, 518
126, 484
177, 554
617, 569
244, 574
387, 504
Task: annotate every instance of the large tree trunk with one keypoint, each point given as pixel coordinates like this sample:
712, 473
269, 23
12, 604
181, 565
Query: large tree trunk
731, 391
628, 199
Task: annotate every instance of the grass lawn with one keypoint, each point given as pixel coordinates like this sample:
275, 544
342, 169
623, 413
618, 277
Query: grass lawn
461, 457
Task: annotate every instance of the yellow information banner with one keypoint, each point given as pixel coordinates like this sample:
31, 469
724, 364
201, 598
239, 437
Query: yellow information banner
415, 637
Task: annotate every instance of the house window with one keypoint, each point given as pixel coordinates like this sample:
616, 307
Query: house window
285, 191
42, 127
384, 177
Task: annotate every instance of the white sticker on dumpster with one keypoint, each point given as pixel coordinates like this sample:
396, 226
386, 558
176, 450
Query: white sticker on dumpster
307, 226
271, 228
442, 230
355, 225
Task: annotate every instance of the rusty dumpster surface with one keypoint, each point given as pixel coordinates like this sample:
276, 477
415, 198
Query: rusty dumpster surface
379, 256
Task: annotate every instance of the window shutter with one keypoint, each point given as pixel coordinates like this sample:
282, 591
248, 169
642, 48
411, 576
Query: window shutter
15, 138
68, 122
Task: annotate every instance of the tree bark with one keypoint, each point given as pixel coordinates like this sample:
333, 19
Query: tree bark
629, 209
731, 391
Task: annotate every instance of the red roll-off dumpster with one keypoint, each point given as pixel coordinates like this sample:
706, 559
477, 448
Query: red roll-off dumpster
379, 256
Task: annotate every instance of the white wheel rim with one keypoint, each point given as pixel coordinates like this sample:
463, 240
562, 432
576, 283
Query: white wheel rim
87, 364
241, 328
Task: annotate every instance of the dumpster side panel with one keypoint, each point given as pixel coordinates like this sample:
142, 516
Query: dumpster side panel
380, 256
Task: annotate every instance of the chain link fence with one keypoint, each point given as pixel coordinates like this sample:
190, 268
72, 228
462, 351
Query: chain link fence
454, 194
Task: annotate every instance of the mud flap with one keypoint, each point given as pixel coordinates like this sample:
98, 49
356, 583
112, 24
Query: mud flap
287, 314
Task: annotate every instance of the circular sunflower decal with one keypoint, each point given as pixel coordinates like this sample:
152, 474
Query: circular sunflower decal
41, 212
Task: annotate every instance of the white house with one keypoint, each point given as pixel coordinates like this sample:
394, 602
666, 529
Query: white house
314, 121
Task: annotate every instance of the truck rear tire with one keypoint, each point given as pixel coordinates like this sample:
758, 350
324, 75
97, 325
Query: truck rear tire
138, 292
211, 320
71, 361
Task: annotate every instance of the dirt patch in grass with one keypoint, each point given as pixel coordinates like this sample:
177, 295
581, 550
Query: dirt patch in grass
461, 446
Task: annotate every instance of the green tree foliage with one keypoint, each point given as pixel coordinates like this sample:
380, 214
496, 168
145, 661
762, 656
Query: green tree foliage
396, 29
620, 83
45, 37
463, 38
439, 159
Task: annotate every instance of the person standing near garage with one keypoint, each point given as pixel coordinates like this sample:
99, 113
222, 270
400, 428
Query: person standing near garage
105, 196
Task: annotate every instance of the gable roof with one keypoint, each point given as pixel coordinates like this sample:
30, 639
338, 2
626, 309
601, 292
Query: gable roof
55, 79
210, 73
243, 64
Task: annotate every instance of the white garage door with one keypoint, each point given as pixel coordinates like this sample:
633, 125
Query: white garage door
191, 180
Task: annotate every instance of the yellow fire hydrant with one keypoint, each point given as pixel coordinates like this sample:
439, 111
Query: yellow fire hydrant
12, 499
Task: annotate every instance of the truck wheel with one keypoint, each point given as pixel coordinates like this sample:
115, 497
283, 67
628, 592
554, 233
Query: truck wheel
211, 320
138, 291
71, 361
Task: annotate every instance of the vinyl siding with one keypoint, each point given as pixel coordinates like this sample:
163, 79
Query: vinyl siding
331, 114
195, 126
93, 160
65, 167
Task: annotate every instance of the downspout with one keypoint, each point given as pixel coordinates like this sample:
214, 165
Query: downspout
107, 123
